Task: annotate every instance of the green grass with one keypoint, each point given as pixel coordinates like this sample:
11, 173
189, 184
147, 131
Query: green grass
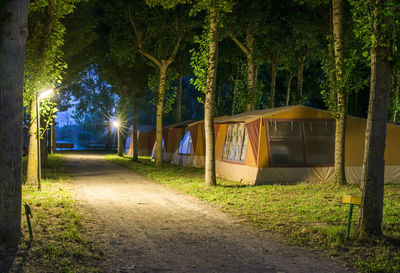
60, 241
308, 214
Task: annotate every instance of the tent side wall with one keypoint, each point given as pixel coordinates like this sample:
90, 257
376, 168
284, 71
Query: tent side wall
144, 146
264, 173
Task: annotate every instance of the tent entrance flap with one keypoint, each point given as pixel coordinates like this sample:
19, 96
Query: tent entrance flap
185, 144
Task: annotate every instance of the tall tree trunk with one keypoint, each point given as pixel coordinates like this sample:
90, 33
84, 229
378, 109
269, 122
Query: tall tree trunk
179, 99
210, 176
32, 165
250, 71
274, 68
332, 74
395, 99
341, 101
120, 142
300, 70
248, 51
135, 125
160, 109
291, 76
13, 32
372, 182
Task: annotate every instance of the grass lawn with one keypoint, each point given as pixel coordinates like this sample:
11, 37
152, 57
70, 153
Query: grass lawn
307, 214
60, 243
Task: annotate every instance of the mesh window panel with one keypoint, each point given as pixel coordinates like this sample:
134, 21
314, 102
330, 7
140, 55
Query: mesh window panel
244, 147
319, 142
227, 142
319, 152
286, 143
233, 142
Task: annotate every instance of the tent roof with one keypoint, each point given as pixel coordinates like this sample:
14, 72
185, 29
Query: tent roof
202, 121
179, 124
265, 113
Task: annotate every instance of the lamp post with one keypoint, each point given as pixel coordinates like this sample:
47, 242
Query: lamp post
117, 126
40, 95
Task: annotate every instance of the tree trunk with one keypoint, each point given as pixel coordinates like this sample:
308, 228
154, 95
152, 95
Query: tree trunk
120, 142
32, 165
274, 68
248, 51
179, 99
250, 71
135, 138
300, 70
332, 75
210, 176
372, 183
341, 102
160, 109
13, 34
291, 76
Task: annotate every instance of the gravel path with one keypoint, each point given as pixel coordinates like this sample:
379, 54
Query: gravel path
143, 226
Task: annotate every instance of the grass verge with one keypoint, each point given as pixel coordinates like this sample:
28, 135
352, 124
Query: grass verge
60, 243
309, 214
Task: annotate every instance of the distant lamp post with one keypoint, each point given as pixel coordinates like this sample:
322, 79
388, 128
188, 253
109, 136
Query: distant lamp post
40, 95
117, 126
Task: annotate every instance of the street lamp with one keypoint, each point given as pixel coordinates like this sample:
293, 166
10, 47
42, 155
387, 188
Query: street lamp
117, 126
40, 95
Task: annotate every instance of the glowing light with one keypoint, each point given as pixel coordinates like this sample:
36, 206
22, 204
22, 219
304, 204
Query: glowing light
115, 124
45, 93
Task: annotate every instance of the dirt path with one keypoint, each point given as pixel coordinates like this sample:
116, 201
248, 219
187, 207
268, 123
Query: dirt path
143, 226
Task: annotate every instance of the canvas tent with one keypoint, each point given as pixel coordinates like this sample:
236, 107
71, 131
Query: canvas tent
294, 143
190, 149
144, 142
170, 139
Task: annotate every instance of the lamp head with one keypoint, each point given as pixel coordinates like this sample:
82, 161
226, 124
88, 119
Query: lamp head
45, 93
115, 124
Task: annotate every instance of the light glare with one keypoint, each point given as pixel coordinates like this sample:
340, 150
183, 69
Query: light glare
45, 93
115, 123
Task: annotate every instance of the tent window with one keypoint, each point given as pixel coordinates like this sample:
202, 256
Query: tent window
235, 143
319, 142
302, 142
285, 142
186, 144
154, 152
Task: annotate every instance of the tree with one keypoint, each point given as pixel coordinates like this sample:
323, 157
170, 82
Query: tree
154, 48
97, 97
13, 33
341, 104
380, 25
214, 8
44, 64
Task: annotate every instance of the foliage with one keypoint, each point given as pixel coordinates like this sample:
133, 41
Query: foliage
352, 80
199, 62
44, 61
94, 95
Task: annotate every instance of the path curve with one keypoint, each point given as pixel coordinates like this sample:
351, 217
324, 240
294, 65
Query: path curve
143, 226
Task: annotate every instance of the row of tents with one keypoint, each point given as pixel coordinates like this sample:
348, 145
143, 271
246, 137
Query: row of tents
279, 145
